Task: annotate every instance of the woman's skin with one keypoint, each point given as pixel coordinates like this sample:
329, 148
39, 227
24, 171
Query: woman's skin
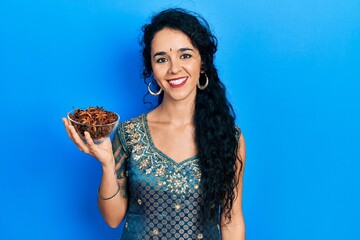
176, 66
113, 210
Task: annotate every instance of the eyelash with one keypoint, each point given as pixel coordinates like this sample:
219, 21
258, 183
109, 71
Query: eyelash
161, 60
184, 56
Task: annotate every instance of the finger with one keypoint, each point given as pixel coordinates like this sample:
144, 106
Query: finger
66, 124
77, 139
88, 139
65, 121
73, 135
90, 143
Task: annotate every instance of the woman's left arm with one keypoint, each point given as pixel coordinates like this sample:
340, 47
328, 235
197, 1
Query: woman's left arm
236, 228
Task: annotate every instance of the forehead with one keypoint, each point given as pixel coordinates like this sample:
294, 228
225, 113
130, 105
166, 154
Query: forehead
169, 38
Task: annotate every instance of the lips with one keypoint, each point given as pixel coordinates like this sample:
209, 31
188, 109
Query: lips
177, 82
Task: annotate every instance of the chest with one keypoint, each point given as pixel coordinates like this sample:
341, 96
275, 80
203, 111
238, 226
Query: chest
176, 143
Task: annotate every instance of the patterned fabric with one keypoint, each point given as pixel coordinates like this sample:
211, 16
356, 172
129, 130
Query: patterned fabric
163, 195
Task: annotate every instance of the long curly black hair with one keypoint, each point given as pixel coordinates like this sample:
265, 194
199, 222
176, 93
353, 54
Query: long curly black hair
214, 117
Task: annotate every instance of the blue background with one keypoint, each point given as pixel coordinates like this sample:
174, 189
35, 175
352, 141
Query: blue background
292, 71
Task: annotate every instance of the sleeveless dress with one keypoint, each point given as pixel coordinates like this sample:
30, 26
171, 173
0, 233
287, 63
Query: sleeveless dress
163, 196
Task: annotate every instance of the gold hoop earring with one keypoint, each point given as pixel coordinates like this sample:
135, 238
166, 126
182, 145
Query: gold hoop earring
154, 93
205, 85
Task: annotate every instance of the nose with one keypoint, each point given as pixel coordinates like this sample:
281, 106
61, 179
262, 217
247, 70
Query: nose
174, 67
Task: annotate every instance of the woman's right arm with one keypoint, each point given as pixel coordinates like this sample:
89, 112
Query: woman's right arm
112, 198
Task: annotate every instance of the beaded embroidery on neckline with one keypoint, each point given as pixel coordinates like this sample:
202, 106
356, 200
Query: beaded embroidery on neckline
161, 154
151, 162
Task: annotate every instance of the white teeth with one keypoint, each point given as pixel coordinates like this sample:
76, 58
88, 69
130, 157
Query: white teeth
178, 81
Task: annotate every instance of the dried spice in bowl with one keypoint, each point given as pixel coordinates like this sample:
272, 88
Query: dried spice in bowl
98, 122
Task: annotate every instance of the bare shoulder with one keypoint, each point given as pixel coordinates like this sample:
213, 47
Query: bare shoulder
242, 147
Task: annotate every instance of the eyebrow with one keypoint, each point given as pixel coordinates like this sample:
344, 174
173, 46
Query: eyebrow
180, 50
185, 49
159, 54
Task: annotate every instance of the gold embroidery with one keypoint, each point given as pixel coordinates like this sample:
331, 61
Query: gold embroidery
171, 175
166, 195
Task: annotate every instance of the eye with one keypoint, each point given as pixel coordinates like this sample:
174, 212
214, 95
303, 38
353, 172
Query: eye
161, 60
186, 55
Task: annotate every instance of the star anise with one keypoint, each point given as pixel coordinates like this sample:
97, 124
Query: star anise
95, 120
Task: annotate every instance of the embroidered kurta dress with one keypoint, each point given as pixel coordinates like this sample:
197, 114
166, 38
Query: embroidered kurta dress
163, 196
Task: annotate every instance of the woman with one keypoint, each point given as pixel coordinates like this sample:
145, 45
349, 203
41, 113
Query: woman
176, 172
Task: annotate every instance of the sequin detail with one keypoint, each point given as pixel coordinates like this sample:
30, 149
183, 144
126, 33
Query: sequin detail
164, 195
166, 171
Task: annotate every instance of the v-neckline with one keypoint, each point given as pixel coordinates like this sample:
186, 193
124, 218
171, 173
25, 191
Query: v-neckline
158, 151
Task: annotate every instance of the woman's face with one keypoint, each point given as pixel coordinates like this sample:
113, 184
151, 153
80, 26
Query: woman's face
176, 64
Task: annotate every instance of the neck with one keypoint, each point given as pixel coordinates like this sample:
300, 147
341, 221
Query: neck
176, 112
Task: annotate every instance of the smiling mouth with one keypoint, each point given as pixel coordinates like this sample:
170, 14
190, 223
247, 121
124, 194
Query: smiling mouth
178, 82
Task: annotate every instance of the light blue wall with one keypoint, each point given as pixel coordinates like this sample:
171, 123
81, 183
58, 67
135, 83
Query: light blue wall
292, 71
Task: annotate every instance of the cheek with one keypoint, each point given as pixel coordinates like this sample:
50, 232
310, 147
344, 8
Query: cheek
156, 71
194, 68
153, 67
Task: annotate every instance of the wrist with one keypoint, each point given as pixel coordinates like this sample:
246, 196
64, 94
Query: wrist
110, 197
108, 166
